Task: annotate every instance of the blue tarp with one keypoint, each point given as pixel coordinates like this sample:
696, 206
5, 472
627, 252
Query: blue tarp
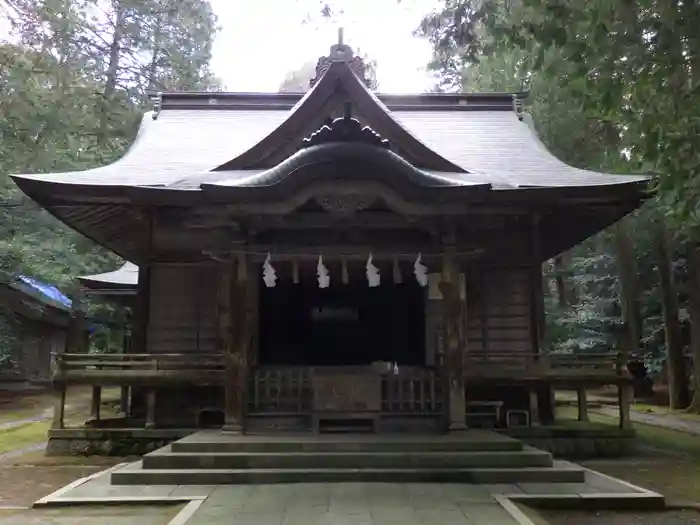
52, 295
48, 290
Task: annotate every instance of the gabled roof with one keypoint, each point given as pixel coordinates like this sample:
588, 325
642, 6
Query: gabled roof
194, 135
220, 138
246, 147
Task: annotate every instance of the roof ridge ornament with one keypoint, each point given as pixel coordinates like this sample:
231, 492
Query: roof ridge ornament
518, 106
157, 101
341, 52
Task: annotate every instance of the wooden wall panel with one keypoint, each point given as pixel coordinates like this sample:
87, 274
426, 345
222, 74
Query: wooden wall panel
183, 304
499, 310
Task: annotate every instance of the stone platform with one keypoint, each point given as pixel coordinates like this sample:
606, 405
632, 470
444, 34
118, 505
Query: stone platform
352, 480
474, 456
357, 503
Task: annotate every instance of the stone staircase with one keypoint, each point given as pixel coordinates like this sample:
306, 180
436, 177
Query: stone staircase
475, 456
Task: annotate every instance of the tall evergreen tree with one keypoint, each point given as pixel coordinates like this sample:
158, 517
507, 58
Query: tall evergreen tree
74, 83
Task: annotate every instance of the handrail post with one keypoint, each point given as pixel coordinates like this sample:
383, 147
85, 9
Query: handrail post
151, 401
59, 405
582, 403
95, 403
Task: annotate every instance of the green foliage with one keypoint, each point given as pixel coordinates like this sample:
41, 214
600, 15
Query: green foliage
75, 80
614, 88
594, 322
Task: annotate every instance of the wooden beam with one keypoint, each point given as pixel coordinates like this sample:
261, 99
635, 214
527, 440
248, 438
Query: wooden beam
219, 218
259, 252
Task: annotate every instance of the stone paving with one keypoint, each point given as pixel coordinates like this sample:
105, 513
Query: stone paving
351, 504
141, 515
338, 503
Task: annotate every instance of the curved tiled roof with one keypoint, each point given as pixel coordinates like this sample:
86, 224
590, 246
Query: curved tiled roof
180, 148
224, 147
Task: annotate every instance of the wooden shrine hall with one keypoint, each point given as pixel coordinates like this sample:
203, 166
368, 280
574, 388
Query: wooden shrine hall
338, 258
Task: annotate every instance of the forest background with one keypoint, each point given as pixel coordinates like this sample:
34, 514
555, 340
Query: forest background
614, 87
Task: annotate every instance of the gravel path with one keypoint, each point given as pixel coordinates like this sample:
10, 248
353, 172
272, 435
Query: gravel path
670, 421
22, 451
42, 416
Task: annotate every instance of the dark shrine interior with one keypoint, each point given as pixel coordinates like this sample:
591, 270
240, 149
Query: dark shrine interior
343, 325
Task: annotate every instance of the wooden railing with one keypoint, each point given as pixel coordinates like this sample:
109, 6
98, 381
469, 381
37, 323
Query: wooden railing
412, 391
288, 389
139, 368
280, 390
500, 364
609, 362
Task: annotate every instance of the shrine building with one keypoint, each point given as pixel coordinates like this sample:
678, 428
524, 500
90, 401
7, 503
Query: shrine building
335, 260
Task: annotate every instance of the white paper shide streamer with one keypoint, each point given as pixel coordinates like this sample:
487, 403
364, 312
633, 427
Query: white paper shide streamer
373, 278
420, 270
269, 274
324, 277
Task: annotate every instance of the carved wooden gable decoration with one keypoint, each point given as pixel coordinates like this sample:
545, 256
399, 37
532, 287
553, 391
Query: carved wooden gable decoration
341, 52
345, 129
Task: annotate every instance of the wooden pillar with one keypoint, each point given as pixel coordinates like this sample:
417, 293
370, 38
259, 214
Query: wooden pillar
140, 310
150, 408
253, 297
139, 321
582, 403
96, 402
139, 329
59, 405
453, 343
537, 320
124, 400
537, 313
237, 345
76, 331
625, 400
124, 395
553, 402
533, 400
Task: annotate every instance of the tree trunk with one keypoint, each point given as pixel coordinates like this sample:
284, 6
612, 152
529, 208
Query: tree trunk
560, 282
155, 55
566, 292
112, 71
547, 274
629, 285
694, 309
677, 378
